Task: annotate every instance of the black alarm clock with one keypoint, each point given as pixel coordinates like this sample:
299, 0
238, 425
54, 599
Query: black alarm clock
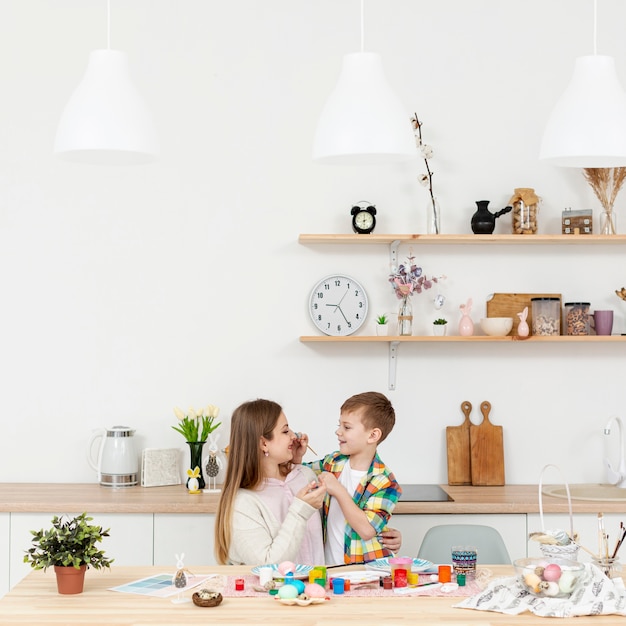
363, 218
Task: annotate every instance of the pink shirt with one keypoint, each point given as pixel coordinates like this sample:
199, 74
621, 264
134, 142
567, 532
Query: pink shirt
278, 495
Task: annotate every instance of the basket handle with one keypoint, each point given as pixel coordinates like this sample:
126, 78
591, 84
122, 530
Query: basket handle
569, 499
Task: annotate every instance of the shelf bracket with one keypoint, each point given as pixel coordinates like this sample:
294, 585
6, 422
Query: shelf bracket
393, 253
393, 361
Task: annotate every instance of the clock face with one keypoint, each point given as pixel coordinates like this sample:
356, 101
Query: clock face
363, 220
338, 305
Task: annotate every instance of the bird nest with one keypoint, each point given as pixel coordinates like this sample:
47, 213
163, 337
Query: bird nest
205, 597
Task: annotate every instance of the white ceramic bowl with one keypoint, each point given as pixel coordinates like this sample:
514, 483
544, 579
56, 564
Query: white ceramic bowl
549, 577
496, 326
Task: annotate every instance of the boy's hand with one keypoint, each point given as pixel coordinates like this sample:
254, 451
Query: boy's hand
391, 538
298, 447
331, 483
313, 494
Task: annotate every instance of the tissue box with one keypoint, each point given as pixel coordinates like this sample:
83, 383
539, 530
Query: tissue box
577, 222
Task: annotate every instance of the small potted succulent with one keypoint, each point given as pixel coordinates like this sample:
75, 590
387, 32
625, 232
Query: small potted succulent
382, 325
70, 546
440, 327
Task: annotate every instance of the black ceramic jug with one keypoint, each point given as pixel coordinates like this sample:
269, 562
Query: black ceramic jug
484, 221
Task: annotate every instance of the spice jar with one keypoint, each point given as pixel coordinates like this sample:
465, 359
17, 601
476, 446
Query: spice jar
546, 316
525, 208
576, 318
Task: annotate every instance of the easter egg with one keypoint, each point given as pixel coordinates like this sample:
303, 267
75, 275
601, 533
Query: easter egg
286, 566
313, 590
287, 591
532, 581
550, 589
567, 582
298, 584
552, 572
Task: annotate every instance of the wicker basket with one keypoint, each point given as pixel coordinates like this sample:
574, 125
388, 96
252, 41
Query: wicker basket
569, 551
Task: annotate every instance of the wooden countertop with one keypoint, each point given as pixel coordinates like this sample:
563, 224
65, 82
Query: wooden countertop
35, 601
92, 498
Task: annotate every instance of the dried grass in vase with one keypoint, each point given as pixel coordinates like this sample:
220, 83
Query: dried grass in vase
606, 183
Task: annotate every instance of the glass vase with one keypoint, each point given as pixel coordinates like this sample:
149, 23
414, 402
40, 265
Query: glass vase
405, 317
433, 217
608, 222
195, 450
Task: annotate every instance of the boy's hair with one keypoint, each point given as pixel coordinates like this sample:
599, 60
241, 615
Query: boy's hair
377, 411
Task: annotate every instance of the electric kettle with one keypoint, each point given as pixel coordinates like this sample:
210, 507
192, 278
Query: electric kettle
117, 462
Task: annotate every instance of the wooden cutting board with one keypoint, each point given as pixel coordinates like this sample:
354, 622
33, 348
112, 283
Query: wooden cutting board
458, 449
510, 304
487, 451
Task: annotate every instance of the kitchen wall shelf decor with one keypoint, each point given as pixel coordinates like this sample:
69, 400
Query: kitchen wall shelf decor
394, 241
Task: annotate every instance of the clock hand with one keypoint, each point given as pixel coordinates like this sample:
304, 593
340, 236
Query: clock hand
340, 311
344, 295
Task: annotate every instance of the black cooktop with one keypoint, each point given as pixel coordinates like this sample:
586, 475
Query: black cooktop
424, 493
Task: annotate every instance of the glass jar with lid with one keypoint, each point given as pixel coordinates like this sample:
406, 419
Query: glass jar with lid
525, 209
546, 316
576, 318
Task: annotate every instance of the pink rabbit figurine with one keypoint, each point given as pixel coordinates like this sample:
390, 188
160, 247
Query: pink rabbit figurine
466, 326
522, 327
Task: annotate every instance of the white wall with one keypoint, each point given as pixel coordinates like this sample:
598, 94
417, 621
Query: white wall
128, 291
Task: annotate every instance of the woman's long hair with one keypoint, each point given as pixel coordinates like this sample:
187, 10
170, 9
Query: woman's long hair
250, 421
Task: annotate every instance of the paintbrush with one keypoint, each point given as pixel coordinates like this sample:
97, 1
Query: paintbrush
298, 437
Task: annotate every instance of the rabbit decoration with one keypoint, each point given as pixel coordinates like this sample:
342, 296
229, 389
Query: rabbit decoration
466, 325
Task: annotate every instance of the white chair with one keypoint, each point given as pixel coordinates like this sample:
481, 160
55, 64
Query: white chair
438, 541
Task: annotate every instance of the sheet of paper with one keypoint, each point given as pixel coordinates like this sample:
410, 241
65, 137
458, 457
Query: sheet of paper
160, 585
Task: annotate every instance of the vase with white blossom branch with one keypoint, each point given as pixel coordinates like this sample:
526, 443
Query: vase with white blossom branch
433, 224
606, 183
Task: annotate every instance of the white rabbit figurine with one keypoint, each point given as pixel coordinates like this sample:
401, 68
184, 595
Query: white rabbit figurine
522, 327
466, 325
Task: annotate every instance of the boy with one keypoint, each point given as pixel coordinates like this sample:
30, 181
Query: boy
361, 492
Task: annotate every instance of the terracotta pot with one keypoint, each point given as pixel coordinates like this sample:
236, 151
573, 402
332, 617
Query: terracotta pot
69, 579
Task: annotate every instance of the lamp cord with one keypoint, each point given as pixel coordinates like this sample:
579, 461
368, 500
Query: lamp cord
362, 27
595, 27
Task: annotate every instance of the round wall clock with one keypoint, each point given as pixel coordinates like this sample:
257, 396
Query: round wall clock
338, 305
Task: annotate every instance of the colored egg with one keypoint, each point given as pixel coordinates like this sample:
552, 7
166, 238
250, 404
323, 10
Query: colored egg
550, 589
532, 581
567, 582
552, 572
298, 584
313, 590
286, 566
287, 591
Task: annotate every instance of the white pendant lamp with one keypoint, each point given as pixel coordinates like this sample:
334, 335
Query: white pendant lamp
587, 127
106, 121
363, 121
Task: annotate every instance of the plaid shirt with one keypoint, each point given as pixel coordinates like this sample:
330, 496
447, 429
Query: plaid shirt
376, 495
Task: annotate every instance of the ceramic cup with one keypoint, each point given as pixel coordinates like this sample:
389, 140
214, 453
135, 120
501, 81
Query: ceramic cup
464, 560
603, 322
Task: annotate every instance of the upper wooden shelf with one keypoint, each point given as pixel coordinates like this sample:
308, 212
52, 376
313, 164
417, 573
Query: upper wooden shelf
467, 239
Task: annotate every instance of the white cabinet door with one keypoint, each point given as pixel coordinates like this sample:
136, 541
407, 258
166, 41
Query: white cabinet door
130, 541
176, 533
512, 527
4, 552
585, 524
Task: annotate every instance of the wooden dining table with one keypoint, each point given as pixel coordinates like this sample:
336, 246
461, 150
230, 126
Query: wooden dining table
35, 600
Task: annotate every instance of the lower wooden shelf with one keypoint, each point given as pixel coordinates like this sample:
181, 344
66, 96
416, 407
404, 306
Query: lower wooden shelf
459, 339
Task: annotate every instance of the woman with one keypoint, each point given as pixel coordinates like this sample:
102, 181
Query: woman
268, 510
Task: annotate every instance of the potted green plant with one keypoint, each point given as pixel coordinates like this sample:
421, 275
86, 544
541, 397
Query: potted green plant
382, 325
440, 327
70, 546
